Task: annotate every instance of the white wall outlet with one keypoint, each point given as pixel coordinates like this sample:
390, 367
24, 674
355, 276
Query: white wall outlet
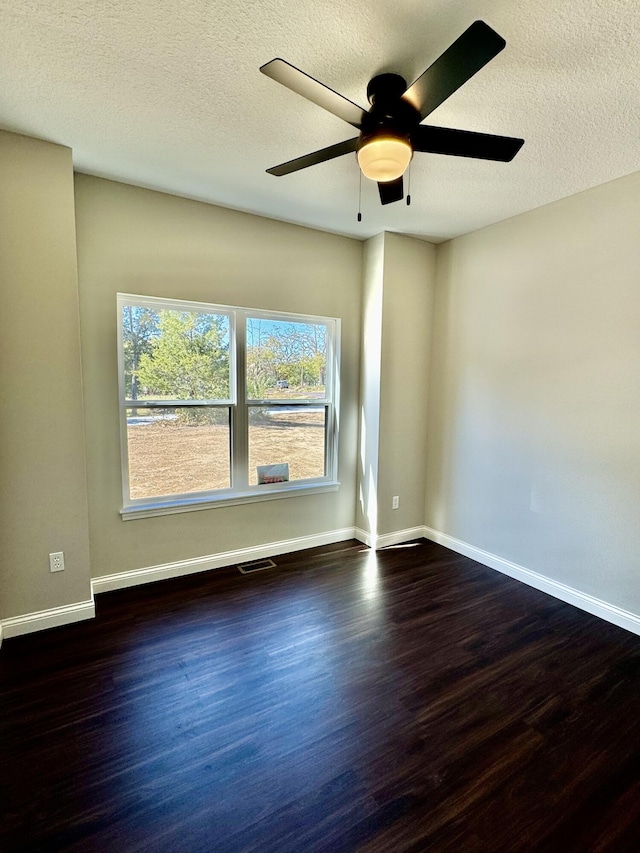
56, 561
395, 502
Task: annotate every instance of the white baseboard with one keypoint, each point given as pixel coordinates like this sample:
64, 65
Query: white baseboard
399, 536
387, 539
363, 536
106, 583
15, 626
596, 606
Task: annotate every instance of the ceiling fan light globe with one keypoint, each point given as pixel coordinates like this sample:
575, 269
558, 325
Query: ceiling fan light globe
384, 158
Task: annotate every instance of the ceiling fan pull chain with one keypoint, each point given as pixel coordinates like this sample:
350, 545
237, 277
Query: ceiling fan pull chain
360, 198
409, 185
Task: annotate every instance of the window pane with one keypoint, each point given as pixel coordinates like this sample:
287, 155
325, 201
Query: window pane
175, 355
287, 434
286, 360
178, 450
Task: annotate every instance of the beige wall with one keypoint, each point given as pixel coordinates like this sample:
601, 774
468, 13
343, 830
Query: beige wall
398, 284
409, 269
369, 414
534, 451
138, 241
43, 493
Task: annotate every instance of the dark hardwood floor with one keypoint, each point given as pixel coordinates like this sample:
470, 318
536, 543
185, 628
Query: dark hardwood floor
408, 700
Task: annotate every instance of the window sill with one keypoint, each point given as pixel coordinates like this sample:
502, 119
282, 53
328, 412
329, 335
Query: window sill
193, 504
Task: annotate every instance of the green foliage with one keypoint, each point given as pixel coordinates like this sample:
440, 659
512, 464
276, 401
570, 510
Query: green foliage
261, 372
139, 325
277, 350
202, 416
188, 359
184, 355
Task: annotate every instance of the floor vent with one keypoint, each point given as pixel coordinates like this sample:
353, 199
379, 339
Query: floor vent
256, 566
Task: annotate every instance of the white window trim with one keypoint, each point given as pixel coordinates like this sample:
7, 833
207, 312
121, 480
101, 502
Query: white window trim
238, 405
295, 488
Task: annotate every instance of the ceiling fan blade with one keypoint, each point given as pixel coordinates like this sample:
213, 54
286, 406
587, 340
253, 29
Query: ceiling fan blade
468, 54
311, 89
465, 143
391, 191
320, 156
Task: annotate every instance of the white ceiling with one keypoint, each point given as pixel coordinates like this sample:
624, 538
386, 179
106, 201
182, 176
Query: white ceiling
168, 95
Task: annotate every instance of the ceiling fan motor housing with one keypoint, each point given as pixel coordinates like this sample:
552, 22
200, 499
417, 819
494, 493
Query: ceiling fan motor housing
390, 114
385, 87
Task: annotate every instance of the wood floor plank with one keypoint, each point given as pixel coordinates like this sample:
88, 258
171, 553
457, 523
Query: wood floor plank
347, 700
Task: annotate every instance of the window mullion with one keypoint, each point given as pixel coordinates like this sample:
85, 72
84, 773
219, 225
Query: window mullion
239, 414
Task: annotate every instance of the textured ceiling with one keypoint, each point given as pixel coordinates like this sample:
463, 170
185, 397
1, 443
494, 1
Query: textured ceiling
168, 95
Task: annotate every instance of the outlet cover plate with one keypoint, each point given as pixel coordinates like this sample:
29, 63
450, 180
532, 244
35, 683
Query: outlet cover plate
56, 561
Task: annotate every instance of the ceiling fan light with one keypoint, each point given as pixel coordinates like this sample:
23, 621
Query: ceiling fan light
384, 158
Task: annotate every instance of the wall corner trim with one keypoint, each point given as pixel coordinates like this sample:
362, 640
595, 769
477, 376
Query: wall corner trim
15, 626
582, 600
384, 540
120, 580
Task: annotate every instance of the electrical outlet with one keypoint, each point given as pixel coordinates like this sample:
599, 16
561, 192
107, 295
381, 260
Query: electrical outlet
395, 502
56, 561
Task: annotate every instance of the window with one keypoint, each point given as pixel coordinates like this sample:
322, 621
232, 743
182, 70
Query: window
223, 405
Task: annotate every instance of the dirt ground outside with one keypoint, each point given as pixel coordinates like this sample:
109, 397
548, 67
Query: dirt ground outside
169, 458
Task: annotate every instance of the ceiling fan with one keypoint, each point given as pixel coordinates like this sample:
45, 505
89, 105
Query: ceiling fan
391, 130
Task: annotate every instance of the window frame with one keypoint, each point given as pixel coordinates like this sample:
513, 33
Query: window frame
238, 405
